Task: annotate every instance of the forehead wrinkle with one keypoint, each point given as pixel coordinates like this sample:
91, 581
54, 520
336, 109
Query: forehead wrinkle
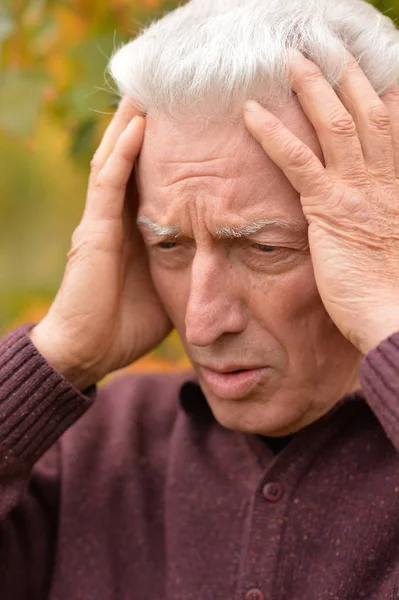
169, 171
192, 161
183, 179
198, 173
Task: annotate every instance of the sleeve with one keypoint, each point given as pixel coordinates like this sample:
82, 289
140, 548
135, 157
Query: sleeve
37, 405
379, 377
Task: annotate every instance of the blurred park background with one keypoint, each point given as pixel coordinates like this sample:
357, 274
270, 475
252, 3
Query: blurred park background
55, 102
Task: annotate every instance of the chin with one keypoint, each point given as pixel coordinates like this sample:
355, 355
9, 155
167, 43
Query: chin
256, 418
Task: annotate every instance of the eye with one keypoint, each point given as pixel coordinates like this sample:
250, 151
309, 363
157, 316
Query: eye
264, 249
167, 245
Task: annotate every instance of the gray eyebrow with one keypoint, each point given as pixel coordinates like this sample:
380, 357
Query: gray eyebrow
159, 229
227, 231
236, 231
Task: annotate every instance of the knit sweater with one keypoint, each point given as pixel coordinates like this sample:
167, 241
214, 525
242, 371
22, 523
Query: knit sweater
133, 491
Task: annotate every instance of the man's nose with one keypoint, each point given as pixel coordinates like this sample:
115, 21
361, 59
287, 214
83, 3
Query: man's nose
215, 305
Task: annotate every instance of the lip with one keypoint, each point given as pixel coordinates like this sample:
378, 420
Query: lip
230, 368
233, 386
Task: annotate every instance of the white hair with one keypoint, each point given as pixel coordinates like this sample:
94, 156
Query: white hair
210, 56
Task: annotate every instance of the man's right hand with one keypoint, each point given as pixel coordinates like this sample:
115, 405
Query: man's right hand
106, 313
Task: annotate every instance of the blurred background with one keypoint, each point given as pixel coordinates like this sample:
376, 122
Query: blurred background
56, 100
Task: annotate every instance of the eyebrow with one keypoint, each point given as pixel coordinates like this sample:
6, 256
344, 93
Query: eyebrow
159, 229
229, 231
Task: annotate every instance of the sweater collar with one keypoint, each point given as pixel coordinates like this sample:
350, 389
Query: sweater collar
194, 402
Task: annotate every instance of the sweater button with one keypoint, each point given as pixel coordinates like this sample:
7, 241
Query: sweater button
254, 594
273, 491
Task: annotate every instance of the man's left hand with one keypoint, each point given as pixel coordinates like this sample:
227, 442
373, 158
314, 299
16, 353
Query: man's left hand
351, 203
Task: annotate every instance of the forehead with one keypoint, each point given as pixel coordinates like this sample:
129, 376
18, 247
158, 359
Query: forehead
200, 158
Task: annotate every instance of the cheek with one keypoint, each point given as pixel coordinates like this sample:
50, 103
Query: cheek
300, 297
285, 301
290, 300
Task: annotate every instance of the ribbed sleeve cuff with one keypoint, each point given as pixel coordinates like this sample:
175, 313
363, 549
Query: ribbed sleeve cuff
37, 404
379, 377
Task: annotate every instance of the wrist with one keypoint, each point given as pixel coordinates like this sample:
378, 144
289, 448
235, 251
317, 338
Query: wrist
378, 329
77, 377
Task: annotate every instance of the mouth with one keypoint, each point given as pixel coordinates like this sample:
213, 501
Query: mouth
233, 384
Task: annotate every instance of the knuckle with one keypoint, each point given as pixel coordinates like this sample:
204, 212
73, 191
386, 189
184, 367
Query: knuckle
82, 245
99, 185
94, 163
272, 128
297, 154
76, 253
356, 175
71, 254
311, 73
106, 182
341, 123
77, 236
383, 174
104, 235
121, 154
379, 117
124, 157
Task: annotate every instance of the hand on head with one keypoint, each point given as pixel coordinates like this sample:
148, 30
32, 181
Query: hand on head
106, 313
351, 203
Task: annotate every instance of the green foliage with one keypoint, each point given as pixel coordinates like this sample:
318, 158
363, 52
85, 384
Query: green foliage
53, 59
21, 93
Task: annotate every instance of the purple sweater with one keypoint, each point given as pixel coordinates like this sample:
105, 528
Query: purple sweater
146, 497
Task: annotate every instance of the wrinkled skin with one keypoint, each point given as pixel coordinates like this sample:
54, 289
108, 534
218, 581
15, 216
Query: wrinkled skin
238, 300
305, 308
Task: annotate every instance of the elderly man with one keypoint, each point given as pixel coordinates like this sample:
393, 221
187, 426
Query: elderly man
267, 207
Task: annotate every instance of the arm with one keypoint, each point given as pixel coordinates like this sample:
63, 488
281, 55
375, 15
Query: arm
98, 322
36, 406
379, 376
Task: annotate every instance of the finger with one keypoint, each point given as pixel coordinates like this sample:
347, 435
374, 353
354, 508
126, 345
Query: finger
121, 119
334, 126
372, 119
297, 161
131, 205
105, 199
131, 232
391, 101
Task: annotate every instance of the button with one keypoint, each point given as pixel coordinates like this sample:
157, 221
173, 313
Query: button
254, 594
273, 491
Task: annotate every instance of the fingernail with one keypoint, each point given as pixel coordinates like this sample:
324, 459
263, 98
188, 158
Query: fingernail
252, 106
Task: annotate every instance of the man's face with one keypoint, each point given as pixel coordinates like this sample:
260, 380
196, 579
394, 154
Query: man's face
246, 301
